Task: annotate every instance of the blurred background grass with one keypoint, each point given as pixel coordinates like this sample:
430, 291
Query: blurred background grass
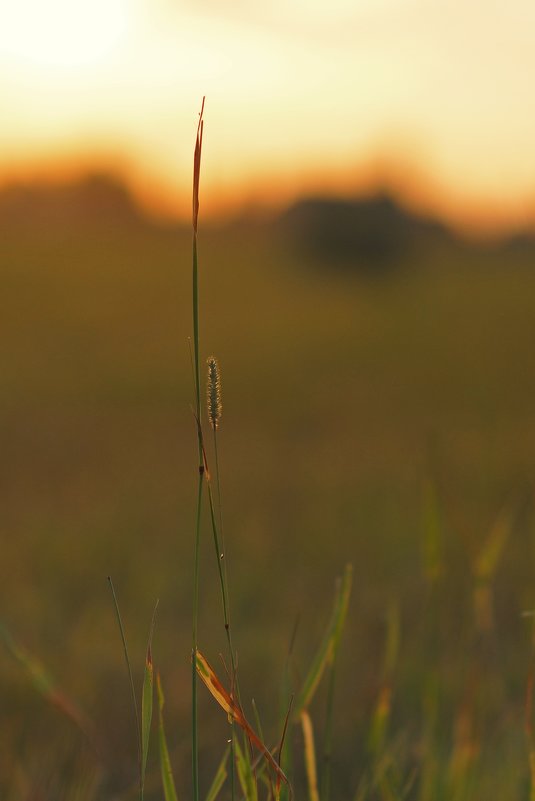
350, 394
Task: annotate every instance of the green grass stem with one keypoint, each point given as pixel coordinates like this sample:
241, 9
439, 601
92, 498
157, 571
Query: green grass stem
168, 781
132, 687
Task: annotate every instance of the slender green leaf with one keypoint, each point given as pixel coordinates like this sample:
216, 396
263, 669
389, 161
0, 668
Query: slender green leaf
146, 705
245, 773
168, 781
327, 650
130, 676
219, 778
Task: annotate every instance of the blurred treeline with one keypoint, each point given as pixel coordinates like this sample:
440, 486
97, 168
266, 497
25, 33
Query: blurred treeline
378, 408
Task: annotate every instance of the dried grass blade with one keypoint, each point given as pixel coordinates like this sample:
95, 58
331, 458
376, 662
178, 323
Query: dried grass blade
197, 167
226, 702
310, 756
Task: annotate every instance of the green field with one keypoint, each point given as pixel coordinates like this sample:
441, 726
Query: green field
389, 423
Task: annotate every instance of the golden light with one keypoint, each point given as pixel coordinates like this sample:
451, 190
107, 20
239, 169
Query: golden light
59, 34
301, 95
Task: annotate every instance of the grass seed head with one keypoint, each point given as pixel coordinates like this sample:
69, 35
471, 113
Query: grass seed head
214, 392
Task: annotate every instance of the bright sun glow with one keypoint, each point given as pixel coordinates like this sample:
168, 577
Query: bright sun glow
300, 94
61, 33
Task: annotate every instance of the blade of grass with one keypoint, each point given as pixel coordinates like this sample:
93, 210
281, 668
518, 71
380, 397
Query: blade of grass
329, 645
130, 677
285, 752
486, 565
260, 773
219, 778
168, 781
146, 704
245, 774
310, 756
281, 745
381, 713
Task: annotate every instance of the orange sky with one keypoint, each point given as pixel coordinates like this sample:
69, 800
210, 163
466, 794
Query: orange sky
434, 96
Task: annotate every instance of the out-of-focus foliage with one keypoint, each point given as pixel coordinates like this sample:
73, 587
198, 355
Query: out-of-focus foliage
348, 405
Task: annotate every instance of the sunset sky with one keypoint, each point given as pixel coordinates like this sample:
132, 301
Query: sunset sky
434, 96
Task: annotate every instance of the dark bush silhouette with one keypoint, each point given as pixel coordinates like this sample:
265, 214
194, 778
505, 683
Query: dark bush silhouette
372, 234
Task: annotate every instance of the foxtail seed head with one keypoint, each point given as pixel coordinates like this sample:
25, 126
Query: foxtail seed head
214, 392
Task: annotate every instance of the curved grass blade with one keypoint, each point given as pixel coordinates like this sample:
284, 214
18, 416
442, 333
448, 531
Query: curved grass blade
168, 781
329, 646
219, 778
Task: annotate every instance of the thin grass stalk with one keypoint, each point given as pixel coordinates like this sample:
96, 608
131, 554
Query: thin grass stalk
132, 688
194, 732
285, 751
222, 557
214, 415
222, 581
197, 381
226, 619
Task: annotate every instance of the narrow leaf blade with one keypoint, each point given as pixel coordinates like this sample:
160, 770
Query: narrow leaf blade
168, 781
219, 778
245, 774
310, 756
147, 703
329, 645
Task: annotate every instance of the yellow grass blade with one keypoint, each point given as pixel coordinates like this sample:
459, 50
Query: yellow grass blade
310, 756
486, 563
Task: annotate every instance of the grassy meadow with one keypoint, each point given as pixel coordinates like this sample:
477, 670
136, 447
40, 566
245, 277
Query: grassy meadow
387, 423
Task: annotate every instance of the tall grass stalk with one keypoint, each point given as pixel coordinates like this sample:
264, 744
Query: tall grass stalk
197, 380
